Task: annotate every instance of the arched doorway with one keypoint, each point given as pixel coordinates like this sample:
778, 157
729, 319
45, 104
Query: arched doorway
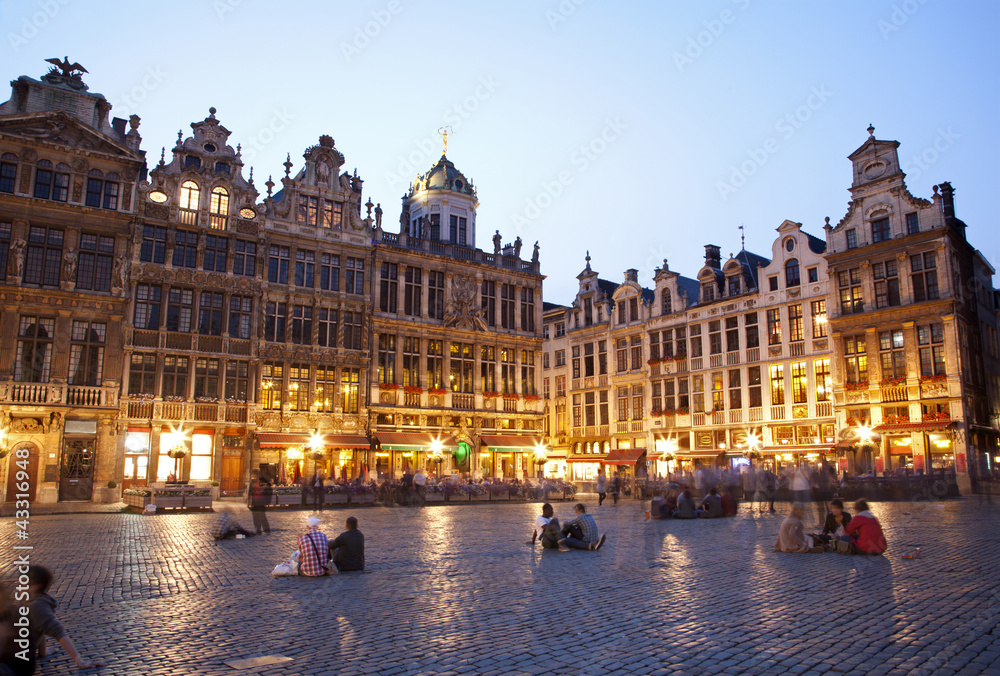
31, 468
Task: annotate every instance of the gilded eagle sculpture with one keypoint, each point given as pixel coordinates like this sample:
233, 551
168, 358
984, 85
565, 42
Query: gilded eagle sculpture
68, 69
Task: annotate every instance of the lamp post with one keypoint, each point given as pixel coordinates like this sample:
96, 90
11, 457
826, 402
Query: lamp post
541, 457
753, 448
865, 435
437, 454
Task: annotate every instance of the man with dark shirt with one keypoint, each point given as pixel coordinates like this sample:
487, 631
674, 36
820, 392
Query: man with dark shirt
347, 551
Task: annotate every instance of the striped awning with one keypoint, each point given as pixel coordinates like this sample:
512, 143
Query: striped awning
624, 456
930, 426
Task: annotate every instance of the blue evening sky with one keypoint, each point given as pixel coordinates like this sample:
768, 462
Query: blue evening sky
637, 130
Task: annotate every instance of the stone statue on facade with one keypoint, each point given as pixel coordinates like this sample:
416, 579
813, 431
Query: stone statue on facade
534, 254
517, 247
497, 242
17, 258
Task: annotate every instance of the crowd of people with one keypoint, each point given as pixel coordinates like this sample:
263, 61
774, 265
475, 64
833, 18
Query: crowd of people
842, 533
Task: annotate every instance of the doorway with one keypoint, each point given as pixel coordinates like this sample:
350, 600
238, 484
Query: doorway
232, 474
31, 468
76, 477
136, 471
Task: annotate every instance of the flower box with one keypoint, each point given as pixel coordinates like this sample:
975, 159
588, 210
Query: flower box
169, 501
197, 501
137, 501
288, 499
434, 497
335, 498
496, 497
480, 497
363, 499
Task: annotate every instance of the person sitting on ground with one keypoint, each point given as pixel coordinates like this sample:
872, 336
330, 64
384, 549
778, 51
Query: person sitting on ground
685, 506
656, 507
864, 531
347, 551
42, 619
581, 532
228, 527
835, 523
546, 529
791, 537
711, 506
314, 550
728, 503
670, 503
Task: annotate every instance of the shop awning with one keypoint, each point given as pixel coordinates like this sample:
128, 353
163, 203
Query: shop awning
595, 459
274, 440
346, 441
931, 426
410, 441
624, 456
511, 443
710, 453
776, 450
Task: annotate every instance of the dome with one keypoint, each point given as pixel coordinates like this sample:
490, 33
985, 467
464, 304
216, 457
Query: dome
443, 176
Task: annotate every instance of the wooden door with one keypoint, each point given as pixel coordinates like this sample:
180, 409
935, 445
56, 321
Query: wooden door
136, 471
232, 473
13, 468
76, 475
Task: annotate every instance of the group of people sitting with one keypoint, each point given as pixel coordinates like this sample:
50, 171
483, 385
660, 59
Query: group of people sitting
680, 505
320, 556
579, 532
860, 534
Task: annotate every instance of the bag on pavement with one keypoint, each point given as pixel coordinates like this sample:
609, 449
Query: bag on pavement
285, 569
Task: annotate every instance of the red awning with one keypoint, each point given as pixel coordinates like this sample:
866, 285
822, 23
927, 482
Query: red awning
268, 439
511, 441
930, 426
345, 441
624, 456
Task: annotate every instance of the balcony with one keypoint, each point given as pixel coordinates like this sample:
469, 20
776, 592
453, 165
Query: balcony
187, 216
698, 419
715, 361
755, 414
778, 412
621, 427
59, 395
463, 402
237, 413
824, 409
695, 364
145, 338
736, 416
510, 405
753, 354
217, 222
797, 349
719, 418
174, 410
733, 358
206, 412
412, 399
210, 343
139, 409
893, 393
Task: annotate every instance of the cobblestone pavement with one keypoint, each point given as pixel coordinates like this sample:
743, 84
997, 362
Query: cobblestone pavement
454, 590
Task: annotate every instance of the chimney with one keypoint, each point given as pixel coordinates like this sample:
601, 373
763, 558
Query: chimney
713, 256
632, 275
948, 202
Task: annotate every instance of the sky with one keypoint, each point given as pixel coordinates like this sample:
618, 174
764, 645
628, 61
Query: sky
636, 130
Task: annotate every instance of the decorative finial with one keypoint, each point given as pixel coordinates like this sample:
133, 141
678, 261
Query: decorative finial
369, 204
239, 148
251, 176
588, 259
827, 221
665, 266
180, 136
935, 190
269, 184
163, 152
211, 112
743, 239
288, 165
871, 131
66, 68
445, 132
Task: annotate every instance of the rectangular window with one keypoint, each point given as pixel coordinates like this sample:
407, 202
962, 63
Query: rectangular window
715, 337
154, 244
326, 388
588, 360
142, 373
435, 227
4, 249
305, 268
855, 359
795, 330
880, 230
886, 284
923, 268
635, 347
508, 375
891, 354
732, 334
147, 307
435, 364
754, 397
245, 260
930, 340
206, 378
175, 376
185, 249
240, 315
824, 383
411, 362
8, 174
718, 393
696, 340
333, 214
350, 380
329, 272
637, 402
752, 332
698, 393
507, 306
527, 309
621, 354
683, 400
777, 384
458, 230
488, 302
813, 275
100, 193
852, 238
849, 283
800, 382
412, 291
819, 328
302, 320
210, 306
326, 334
308, 210
216, 252
388, 287
435, 295
912, 223
298, 387
577, 411
180, 306
86, 353
462, 364
43, 257
560, 357
354, 280
735, 391
774, 327
488, 368
277, 264
237, 380
272, 382
95, 261
576, 361
386, 359
528, 372
275, 316
352, 330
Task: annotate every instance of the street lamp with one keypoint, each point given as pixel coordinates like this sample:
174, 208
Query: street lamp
753, 448
541, 457
866, 436
437, 453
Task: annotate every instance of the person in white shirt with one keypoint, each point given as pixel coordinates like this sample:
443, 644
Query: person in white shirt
546, 529
420, 481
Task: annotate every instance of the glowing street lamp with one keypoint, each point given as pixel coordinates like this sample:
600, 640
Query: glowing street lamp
437, 453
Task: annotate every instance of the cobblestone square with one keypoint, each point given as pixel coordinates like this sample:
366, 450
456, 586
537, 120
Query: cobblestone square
454, 590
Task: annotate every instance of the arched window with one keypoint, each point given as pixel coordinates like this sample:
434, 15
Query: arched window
218, 208
665, 306
791, 272
189, 199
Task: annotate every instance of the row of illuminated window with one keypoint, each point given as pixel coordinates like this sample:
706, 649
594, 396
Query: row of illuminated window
43, 259
892, 354
881, 231
302, 387
189, 203
429, 227
137, 451
414, 362
885, 284
34, 354
53, 182
425, 422
781, 435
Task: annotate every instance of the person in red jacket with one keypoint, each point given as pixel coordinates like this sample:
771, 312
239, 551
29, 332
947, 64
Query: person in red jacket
864, 531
